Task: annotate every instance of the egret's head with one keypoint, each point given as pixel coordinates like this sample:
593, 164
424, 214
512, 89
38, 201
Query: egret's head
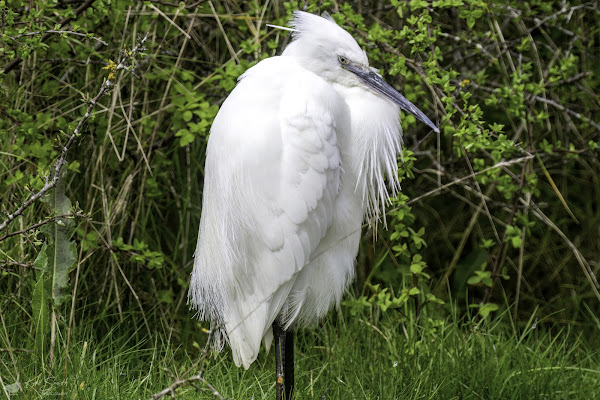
321, 46
326, 49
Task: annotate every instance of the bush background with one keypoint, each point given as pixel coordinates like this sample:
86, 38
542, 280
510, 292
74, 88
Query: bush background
499, 214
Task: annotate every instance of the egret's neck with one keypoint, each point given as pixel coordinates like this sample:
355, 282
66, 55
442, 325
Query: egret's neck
371, 152
312, 60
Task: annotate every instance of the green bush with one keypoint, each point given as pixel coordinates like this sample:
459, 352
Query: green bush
498, 211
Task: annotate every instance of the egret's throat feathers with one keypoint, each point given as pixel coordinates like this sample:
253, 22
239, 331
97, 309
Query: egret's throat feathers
324, 48
296, 159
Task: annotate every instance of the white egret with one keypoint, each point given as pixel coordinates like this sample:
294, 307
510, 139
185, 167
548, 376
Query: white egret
296, 159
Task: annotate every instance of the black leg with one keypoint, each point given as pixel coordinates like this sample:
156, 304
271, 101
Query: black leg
289, 365
279, 339
284, 362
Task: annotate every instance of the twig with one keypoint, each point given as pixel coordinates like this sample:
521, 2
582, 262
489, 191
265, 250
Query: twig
21, 350
170, 21
227, 42
61, 32
500, 253
572, 79
181, 382
62, 160
5, 263
468, 41
44, 222
166, 3
540, 22
198, 377
501, 164
568, 111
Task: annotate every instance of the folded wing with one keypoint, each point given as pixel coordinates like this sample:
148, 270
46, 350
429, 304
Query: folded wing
273, 172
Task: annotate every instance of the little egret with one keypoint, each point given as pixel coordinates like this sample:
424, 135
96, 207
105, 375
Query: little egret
296, 159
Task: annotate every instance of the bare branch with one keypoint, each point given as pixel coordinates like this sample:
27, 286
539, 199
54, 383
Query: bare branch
568, 111
181, 382
62, 159
41, 223
60, 32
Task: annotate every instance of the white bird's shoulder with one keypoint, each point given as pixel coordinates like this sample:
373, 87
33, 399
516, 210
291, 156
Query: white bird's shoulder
284, 77
285, 140
275, 93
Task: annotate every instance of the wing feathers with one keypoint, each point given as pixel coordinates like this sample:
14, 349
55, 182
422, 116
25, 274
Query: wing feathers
272, 176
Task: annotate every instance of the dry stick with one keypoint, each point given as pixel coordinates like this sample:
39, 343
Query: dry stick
540, 22
13, 64
170, 21
6, 263
325, 393
568, 111
62, 160
520, 265
181, 382
528, 167
166, 3
500, 253
44, 222
585, 266
463, 241
198, 377
61, 32
501, 164
227, 42
21, 350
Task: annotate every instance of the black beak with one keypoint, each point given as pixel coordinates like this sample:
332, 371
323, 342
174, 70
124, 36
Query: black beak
375, 82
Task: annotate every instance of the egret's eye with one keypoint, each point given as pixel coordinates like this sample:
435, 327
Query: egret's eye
343, 60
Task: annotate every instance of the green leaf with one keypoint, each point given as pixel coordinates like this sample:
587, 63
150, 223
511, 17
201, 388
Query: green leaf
470, 21
474, 280
185, 137
416, 269
165, 296
487, 308
62, 253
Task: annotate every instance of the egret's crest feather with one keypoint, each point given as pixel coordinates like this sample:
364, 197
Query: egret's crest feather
283, 28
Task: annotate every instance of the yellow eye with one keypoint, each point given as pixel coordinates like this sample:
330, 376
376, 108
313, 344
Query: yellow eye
343, 60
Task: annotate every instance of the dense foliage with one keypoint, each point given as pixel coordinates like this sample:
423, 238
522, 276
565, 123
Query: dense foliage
106, 108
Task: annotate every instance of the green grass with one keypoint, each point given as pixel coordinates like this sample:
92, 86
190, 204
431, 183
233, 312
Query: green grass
352, 357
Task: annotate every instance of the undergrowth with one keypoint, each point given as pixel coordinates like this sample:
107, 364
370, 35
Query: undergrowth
348, 356
105, 112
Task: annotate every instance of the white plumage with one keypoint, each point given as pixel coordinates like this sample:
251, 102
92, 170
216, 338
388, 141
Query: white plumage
296, 160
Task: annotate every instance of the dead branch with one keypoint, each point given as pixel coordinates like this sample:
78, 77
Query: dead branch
182, 382
52, 179
60, 32
41, 223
